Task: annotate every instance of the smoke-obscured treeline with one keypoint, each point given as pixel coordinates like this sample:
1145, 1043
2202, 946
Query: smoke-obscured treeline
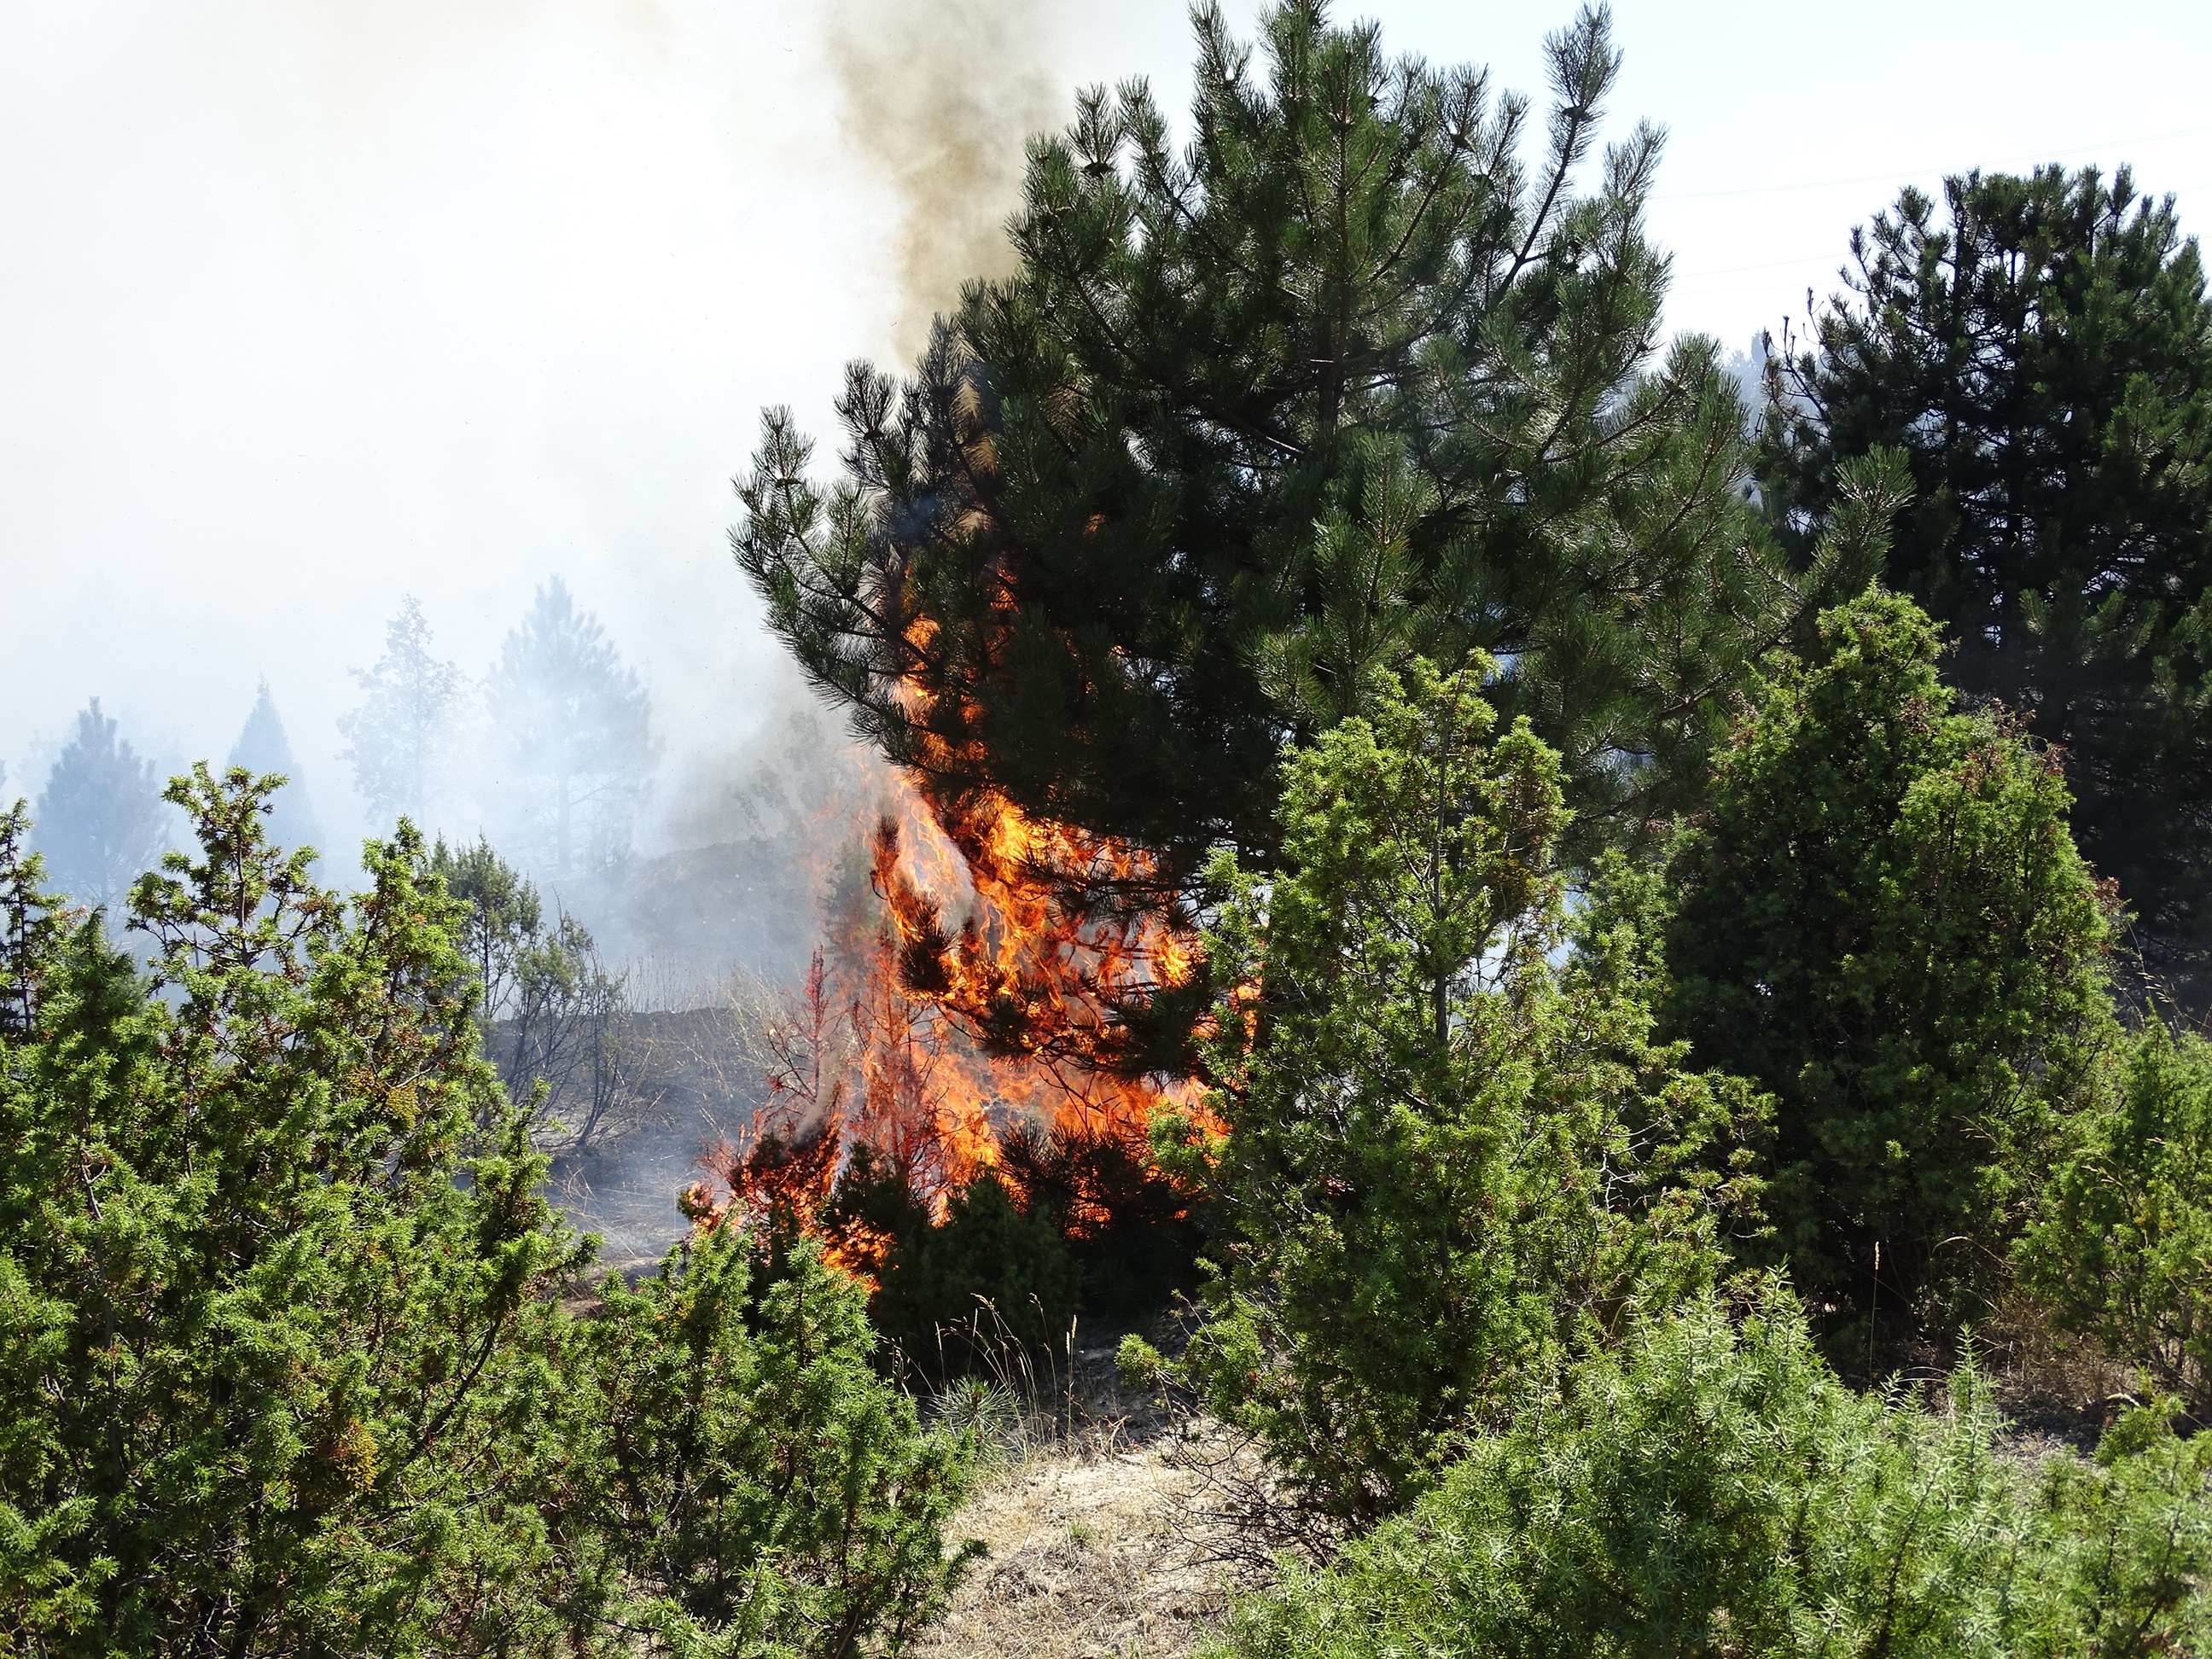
552, 753
627, 996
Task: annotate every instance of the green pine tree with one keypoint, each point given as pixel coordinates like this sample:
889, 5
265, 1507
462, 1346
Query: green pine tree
99, 819
2040, 350
762, 1491
1713, 1489
555, 1016
1353, 378
573, 726
988, 1277
2123, 1250
282, 1369
1449, 1167
399, 734
1881, 917
262, 747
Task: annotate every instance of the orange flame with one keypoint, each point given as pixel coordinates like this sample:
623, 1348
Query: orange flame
928, 1043
928, 1040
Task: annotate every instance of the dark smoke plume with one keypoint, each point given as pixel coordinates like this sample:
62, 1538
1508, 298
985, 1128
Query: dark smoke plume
939, 97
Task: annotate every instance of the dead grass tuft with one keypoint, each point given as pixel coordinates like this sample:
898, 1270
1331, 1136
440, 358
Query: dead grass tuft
2058, 1391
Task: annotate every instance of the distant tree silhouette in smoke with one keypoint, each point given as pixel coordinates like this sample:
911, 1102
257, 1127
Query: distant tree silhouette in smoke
100, 820
262, 747
399, 736
575, 727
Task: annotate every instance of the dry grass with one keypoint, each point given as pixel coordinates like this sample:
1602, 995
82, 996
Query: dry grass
2058, 1391
1089, 1559
1102, 1517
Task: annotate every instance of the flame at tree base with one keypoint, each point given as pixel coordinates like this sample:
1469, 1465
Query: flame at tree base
929, 1054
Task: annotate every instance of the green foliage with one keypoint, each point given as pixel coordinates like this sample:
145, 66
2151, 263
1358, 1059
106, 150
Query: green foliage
2040, 350
2124, 1247
1132, 1231
1447, 1166
555, 1016
279, 1334
756, 1470
278, 1381
1066, 1223
100, 820
501, 918
1353, 377
1882, 918
988, 1274
1137, 1364
1713, 1488
262, 747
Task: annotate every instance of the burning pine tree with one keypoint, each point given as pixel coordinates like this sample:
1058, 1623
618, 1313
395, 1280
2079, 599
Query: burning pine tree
1351, 380
919, 1056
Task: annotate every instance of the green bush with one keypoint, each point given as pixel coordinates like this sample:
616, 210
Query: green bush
989, 1282
1067, 1224
285, 1365
755, 1474
1447, 1166
2038, 350
1882, 918
2123, 1249
1132, 1231
1712, 1488
283, 1370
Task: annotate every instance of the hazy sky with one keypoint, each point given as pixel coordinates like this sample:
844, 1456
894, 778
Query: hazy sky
305, 304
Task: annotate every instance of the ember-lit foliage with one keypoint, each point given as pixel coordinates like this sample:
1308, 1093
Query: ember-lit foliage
987, 1259
1131, 1228
1372, 368
951, 1178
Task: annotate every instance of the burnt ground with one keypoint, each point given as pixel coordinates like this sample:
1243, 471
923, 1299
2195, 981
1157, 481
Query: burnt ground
695, 1086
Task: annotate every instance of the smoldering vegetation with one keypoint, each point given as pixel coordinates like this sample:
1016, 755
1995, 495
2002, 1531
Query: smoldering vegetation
633, 1097
668, 1058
